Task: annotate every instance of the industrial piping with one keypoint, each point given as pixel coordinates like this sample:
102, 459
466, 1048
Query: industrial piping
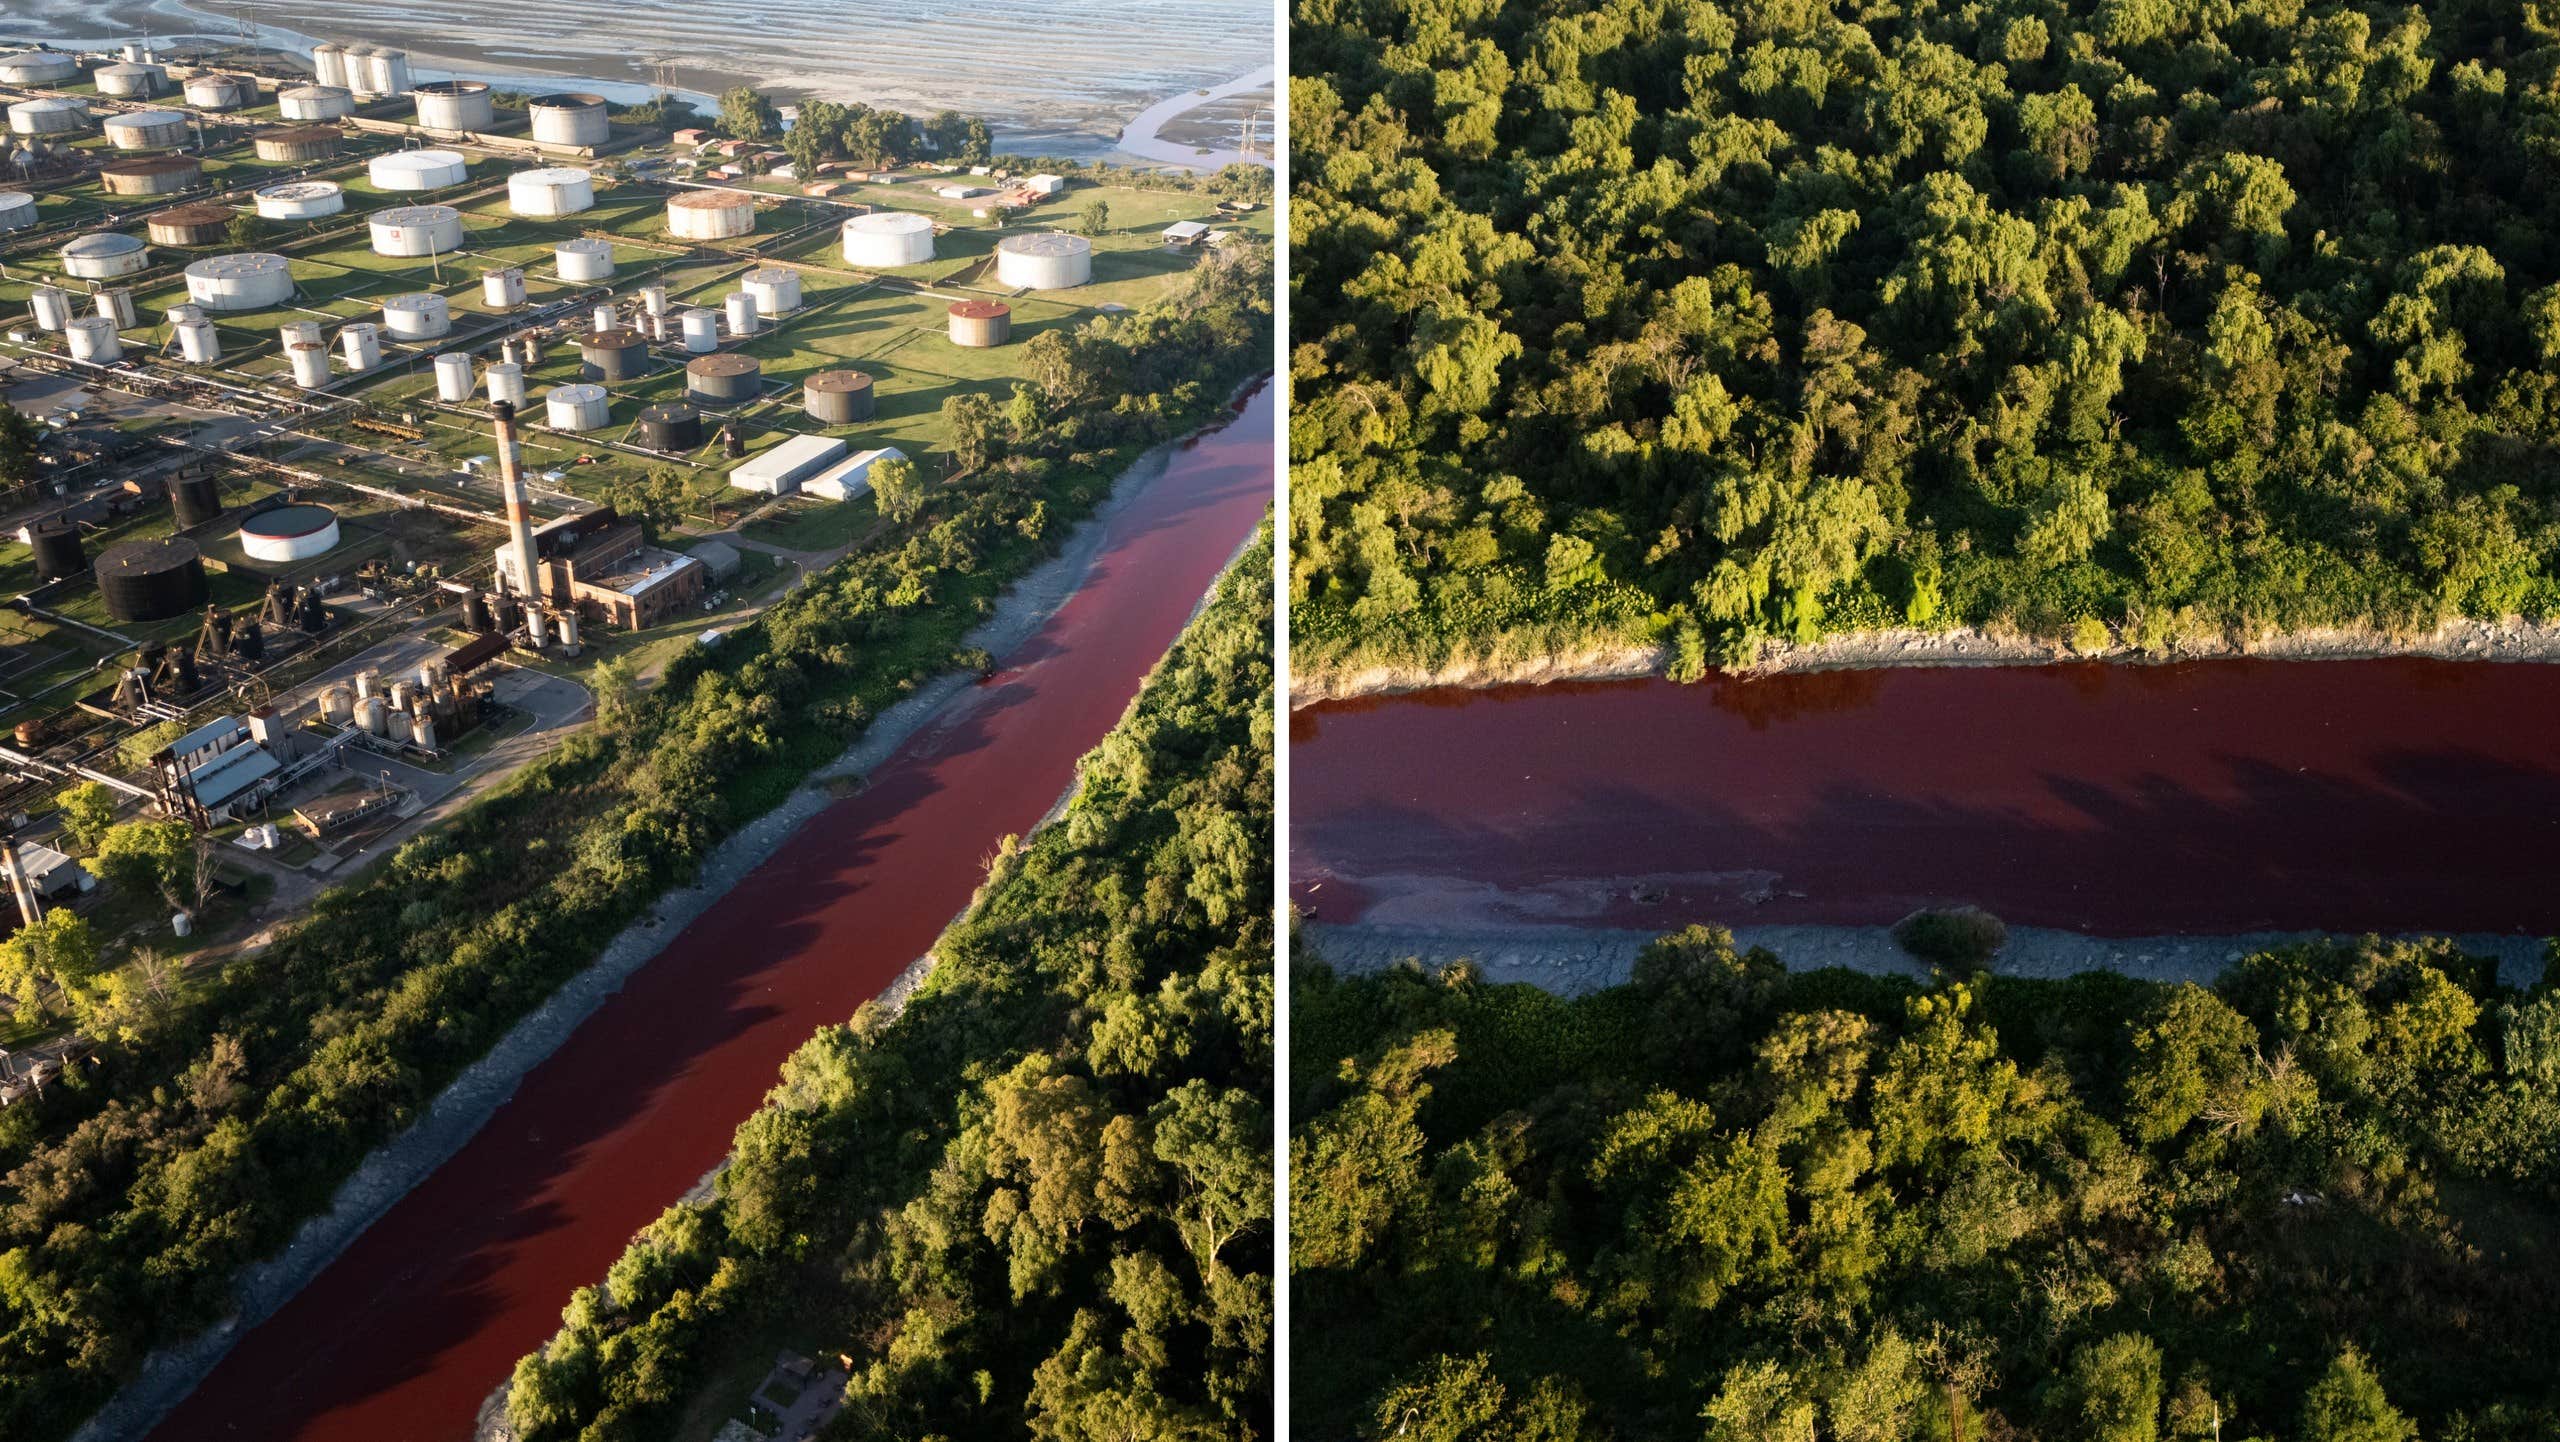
519, 511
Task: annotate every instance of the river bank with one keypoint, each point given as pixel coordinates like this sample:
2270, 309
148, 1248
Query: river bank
928, 727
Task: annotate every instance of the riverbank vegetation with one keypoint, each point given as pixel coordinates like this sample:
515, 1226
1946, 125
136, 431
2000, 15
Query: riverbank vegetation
205, 1134
2125, 323
1036, 1201
2317, 1201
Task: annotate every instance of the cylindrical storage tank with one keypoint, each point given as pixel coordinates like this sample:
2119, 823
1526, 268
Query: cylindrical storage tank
152, 580
391, 67
584, 259
604, 318
981, 322
373, 713
724, 379
48, 117
422, 729
196, 499
368, 682
502, 289
211, 90
337, 706
329, 64
199, 344
298, 332
558, 190
612, 356
671, 428
200, 224
741, 309
58, 550
579, 407
417, 317
129, 81
147, 130
1044, 260
453, 378
105, 255
17, 211
506, 383
37, 67
183, 312
310, 365
117, 305
775, 289
289, 533
240, 282
537, 627
567, 621
571, 119
154, 175
360, 76
653, 299
417, 170
51, 308
702, 331
455, 105
887, 239
710, 215
839, 398
317, 102
361, 344
300, 145
415, 230
93, 338
395, 724
301, 200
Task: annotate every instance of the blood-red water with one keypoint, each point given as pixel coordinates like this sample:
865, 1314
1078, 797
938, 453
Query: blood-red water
404, 1335
2216, 797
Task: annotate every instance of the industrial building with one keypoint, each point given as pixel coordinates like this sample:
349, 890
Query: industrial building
599, 563
779, 471
849, 479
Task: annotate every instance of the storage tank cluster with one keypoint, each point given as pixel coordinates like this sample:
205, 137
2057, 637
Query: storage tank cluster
584, 259
710, 215
17, 210
775, 290
37, 67
152, 175
200, 223
373, 71
980, 323
147, 130
129, 80
414, 711
301, 200
556, 191
418, 170
105, 255
300, 145
887, 239
49, 117
212, 90
571, 119
578, 407
329, 100
421, 316
461, 105
839, 398
416, 230
1044, 260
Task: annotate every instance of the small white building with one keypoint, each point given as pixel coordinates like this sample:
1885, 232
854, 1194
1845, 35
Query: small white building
1045, 184
52, 874
779, 471
849, 479
1184, 232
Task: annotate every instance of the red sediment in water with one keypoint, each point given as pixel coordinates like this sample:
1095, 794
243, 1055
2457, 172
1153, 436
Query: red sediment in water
404, 1335
2215, 797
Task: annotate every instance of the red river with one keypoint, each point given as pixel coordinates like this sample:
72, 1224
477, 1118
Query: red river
2208, 798
405, 1334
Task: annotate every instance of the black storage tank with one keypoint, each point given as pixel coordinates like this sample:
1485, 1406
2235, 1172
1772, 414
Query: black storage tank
58, 550
671, 428
152, 580
475, 613
198, 499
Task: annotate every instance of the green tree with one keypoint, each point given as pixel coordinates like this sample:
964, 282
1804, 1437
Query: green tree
899, 487
150, 855
2116, 1388
746, 114
1094, 219
87, 809
2347, 1405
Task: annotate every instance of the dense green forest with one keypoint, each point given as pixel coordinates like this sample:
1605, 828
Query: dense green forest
212, 1126
2123, 322
1037, 1201
2318, 1202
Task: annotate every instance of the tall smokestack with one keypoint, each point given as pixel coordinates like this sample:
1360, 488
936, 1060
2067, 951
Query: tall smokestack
519, 513
30, 911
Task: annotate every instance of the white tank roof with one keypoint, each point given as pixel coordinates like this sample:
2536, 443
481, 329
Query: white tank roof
301, 190
553, 175
418, 160
231, 267
890, 222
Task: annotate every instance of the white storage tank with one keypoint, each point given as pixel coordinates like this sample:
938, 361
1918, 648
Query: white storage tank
93, 338
558, 190
391, 67
182, 312
117, 305
418, 170
212, 90
361, 345
580, 407
453, 378
502, 289
373, 713
37, 67
604, 318
653, 299
1044, 260
51, 308
301, 200
417, 317
571, 119
240, 282
147, 130
310, 365
325, 101
887, 239
775, 288
701, 331
290, 533
455, 105
741, 308
48, 117
329, 64
199, 344
298, 332
584, 259
105, 255
17, 211
129, 81
710, 215
506, 383
415, 230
